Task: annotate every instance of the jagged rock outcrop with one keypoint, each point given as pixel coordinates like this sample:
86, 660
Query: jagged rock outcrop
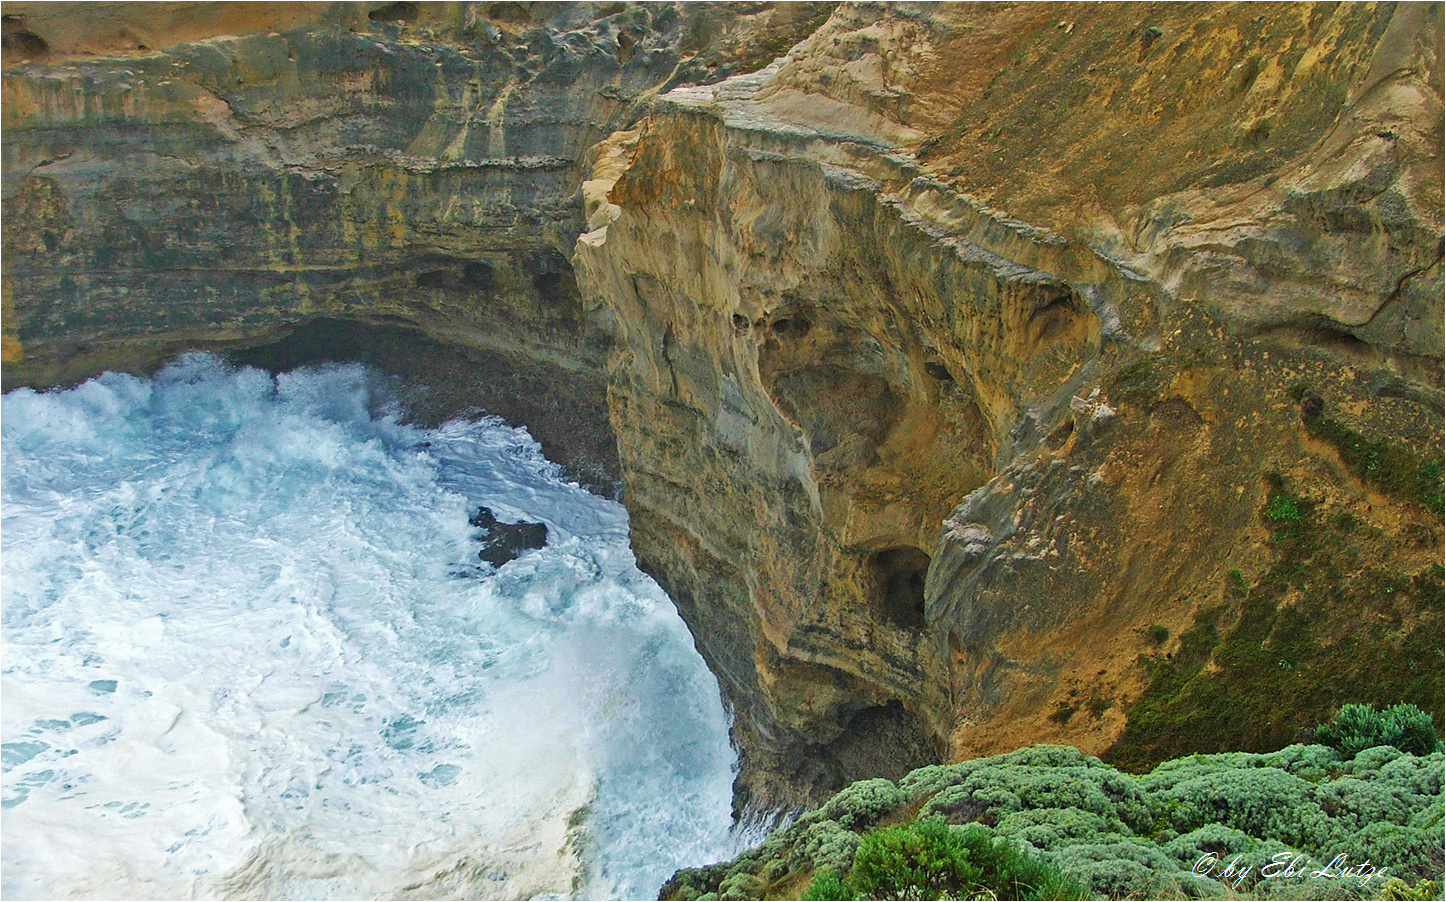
504, 542
980, 375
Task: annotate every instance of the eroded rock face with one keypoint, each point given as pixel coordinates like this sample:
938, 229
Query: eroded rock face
959, 362
841, 371
180, 176
834, 321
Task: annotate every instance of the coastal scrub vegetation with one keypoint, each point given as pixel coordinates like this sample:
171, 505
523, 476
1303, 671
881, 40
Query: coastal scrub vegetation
1278, 650
1309, 821
1356, 728
928, 859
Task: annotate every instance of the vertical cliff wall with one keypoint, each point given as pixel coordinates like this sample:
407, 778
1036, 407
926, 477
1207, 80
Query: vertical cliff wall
1060, 284
807, 379
979, 375
183, 175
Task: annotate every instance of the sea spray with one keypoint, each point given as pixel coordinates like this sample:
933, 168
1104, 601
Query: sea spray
250, 652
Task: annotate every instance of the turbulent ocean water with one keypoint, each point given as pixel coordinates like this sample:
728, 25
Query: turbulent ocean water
250, 652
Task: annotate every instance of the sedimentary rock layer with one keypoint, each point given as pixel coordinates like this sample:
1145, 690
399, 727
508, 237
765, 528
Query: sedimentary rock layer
184, 175
980, 375
1062, 271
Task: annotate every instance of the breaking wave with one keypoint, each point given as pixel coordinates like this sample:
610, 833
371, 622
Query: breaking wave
250, 652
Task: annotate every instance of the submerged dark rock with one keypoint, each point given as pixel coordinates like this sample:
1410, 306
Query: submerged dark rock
506, 541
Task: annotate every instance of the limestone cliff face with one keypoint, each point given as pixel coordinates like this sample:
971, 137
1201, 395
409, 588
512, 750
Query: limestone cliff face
980, 375
1077, 275
794, 345
190, 175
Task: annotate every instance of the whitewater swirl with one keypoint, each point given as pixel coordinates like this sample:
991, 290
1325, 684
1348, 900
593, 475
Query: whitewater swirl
250, 652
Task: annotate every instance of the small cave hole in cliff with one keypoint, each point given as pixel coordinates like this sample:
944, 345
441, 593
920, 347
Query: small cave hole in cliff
1344, 343
900, 575
439, 278
479, 276
19, 41
1055, 309
401, 13
938, 371
512, 13
791, 328
881, 741
468, 276
551, 275
625, 47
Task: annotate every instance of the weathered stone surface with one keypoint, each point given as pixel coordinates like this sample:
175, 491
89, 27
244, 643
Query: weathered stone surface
922, 260
506, 542
950, 359
183, 175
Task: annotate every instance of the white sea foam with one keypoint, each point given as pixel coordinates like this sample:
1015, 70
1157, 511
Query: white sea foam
250, 652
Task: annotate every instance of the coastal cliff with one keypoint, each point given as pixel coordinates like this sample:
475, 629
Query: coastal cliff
1045, 280
976, 375
187, 175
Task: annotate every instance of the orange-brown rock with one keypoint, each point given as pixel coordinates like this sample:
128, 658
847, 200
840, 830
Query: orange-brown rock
980, 374
958, 355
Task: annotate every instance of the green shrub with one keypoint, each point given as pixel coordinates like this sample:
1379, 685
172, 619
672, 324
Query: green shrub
826, 845
1309, 762
928, 859
1356, 728
1264, 802
1283, 509
741, 885
1362, 801
1050, 828
924, 859
1404, 851
1120, 868
1011, 873
931, 778
827, 887
1398, 889
861, 804
1412, 775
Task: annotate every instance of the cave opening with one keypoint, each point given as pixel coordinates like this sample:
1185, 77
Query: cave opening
900, 573
453, 274
401, 13
20, 41
1055, 310
792, 328
884, 740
